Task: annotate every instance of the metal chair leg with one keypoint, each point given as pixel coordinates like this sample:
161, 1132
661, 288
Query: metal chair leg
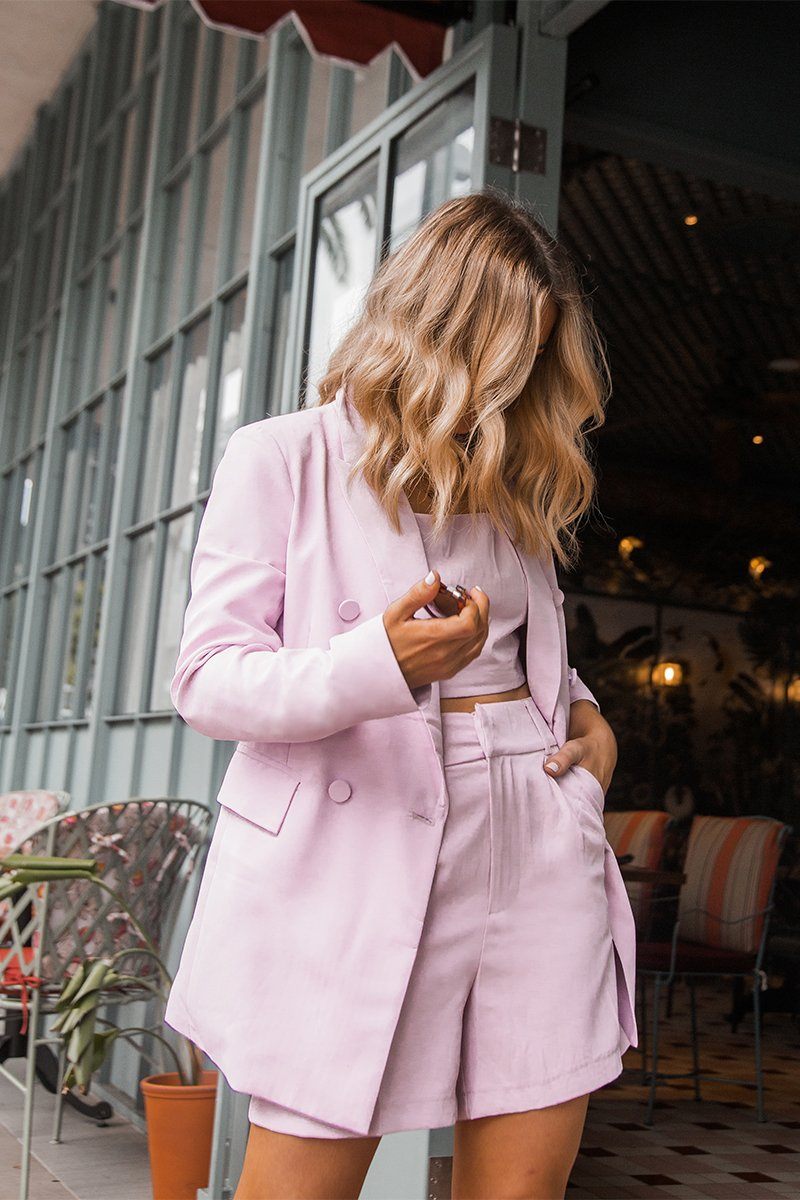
757, 1024
59, 1108
695, 1050
30, 1084
651, 1099
643, 1016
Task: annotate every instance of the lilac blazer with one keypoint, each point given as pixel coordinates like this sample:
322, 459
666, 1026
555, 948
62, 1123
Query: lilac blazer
313, 895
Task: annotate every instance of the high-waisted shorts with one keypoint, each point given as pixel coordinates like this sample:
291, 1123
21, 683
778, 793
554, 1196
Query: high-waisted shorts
512, 999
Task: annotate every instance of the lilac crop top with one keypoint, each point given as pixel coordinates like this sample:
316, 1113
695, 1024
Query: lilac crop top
478, 552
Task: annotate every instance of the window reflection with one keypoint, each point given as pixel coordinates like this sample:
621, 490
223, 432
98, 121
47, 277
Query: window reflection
432, 162
192, 416
344, 263
133, 654
68, 700
8, 640
174, 585
151, 471
229, 397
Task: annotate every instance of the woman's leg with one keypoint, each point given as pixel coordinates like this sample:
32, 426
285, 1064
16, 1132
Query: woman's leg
283, 1166
518, 1156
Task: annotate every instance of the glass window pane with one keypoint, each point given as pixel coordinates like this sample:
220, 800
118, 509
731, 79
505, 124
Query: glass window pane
253, 119
21, 535
190, 73
316, 112
67, 694
110, 296
10, 606
108, 479
133, 649
173, 257
344, 262
370, 89
229, 398
433, 162
65, 538
126, 164
191, 419
44, 379
151, 465
90, 675
90, 479
225, 89
53, 644
215, 179
280, 325
174, 591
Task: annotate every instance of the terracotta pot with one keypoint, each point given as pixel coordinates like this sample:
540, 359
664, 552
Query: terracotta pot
180, 1126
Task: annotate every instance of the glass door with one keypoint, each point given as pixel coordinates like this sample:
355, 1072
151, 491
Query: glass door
362, 201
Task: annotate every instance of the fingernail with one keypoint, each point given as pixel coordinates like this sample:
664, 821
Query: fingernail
478, 587
553, 766
429, 578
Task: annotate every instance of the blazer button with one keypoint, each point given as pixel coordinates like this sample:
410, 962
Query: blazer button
339, 790
558, 595
349, 610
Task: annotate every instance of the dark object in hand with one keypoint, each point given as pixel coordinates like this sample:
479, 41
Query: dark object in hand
449, 601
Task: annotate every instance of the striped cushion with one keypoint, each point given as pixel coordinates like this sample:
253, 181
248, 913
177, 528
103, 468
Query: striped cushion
730, 866
640, 833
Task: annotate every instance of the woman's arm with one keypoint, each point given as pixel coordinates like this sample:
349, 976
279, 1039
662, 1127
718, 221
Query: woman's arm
590, 742
234, 680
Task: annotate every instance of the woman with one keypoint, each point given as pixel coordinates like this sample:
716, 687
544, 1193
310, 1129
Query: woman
410, 915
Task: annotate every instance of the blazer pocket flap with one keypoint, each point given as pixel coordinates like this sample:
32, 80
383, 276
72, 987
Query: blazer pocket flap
258, 790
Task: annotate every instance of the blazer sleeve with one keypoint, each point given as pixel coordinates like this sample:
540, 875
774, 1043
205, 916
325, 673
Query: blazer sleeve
578, 689
234, 680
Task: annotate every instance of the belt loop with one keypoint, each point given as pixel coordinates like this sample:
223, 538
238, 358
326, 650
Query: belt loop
478, 721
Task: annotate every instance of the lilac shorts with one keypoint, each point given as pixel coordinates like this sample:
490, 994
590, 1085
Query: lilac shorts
512, 1001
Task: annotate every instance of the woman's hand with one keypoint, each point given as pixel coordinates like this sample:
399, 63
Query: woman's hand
439, 648
591, 743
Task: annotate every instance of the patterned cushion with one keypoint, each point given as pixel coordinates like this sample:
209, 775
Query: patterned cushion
142, 847
640, 833
21, 812
730, 866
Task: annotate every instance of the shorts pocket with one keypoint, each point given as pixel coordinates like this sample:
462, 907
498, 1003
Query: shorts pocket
592, 786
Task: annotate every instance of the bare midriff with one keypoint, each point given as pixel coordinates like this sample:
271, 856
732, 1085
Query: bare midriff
467, 703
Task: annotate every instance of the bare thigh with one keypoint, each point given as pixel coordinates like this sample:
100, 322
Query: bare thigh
518, 1156
281, 1166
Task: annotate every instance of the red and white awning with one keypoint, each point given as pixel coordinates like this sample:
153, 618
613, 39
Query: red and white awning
349, 32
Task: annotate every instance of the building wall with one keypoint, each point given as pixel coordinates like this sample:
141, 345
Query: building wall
150, 204
147, 234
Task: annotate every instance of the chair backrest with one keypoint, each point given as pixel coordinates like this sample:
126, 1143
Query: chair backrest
639, 832
146, 849
730, 868
22, 812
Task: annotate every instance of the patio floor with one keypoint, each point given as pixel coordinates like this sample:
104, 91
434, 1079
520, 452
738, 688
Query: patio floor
92, 1162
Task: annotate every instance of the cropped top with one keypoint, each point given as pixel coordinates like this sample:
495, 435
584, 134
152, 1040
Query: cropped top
478, 552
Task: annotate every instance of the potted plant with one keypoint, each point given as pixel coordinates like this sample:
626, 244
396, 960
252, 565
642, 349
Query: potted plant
179, 1104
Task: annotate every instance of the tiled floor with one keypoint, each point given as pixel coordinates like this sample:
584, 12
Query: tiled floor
93, 1162
709, 1148
713, 1147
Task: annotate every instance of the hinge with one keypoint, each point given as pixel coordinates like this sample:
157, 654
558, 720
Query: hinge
517, 145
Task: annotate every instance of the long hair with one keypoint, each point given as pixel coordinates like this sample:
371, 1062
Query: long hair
449, 331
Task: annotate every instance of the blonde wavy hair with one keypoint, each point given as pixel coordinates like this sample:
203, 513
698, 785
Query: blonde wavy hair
449, 331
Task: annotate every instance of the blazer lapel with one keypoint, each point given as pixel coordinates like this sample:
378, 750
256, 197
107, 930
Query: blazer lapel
401, 560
